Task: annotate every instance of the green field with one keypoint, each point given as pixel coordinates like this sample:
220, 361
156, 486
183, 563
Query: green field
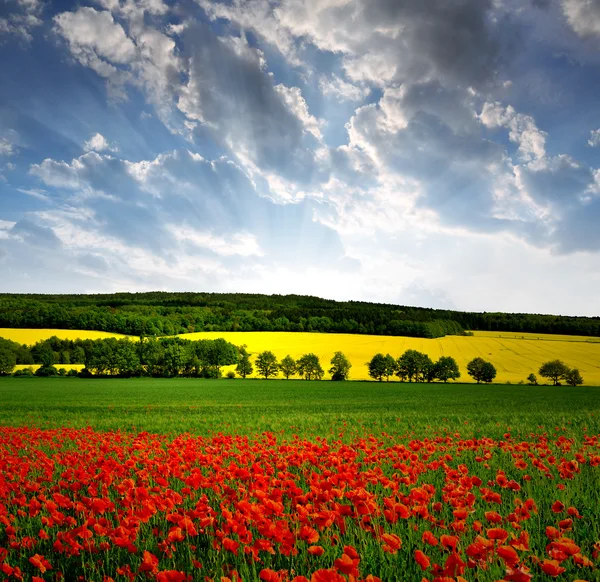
292, 406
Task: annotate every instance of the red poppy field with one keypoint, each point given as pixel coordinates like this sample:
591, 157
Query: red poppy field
78, 504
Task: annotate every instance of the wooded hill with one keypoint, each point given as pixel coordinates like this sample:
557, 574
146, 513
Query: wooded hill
161, 313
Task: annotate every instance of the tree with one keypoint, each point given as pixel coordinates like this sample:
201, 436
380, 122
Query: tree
556, 370
288, 366
480, 370
427, 371
266, 364
532, 379
413, 364
340, 367
8, 360
488, 372
378, 367
573, 377
390, 366
446, 369
309, 366
244, 367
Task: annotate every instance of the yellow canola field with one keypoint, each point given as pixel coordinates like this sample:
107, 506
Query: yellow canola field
513, 358
536, 336
31, 336
67, 367
515, 355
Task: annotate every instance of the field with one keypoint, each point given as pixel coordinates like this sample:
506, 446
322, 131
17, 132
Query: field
31, 336
515, 356
182, 479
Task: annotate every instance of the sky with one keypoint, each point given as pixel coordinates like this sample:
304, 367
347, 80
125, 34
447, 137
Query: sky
440, 154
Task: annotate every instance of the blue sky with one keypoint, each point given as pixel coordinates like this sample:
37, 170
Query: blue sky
442, 154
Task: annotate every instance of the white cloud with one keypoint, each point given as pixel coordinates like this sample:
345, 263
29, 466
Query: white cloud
292, 97
342, 90
98, 143
243, 244
21, 17
5, 226
35, 193
6, 147
522, 131
91, 32
583, 16
594, 140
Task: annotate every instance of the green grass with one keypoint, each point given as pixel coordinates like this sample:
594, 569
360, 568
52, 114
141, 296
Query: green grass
294, 406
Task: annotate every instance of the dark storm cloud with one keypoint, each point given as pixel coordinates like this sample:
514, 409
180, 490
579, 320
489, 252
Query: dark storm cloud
450, 39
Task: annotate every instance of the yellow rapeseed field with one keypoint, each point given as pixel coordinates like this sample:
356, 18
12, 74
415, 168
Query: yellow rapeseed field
31, 336
515, 355
513, 358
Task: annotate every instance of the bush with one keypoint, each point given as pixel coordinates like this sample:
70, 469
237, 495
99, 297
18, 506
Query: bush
73, 373
46, 371
62, 372
231, 375
210, 373
573, 377
24, 373
532, 379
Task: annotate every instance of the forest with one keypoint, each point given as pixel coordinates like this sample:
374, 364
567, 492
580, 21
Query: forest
162, 313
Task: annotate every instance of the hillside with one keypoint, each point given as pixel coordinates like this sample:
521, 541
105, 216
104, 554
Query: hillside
161, 313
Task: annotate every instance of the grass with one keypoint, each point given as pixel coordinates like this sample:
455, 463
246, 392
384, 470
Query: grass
293, 406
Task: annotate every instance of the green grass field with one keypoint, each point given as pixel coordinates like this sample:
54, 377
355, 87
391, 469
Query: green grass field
292, 406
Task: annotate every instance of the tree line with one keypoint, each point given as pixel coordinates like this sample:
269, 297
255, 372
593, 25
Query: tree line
175, 356
174, 313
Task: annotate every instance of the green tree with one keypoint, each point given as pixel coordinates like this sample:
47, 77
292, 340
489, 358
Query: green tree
532, 379
413, 364
340, 367
45, 355
573, 377
288, 366
309, 367
446, 369
480, 370
8, 360
427, 369
127, 360
175, 357
488, 372
390, 366
266, 364
556, 370
244, 367
378, 367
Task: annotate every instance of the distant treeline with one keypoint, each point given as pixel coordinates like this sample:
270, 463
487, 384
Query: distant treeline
161, 313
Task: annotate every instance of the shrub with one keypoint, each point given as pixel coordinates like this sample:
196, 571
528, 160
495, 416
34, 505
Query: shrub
231, 374
45, 371
73, 373
573, 377
24, 373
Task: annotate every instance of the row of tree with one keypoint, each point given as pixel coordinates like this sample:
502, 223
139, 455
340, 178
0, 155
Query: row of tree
557, 370
168, 357
307, 366
173, 313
